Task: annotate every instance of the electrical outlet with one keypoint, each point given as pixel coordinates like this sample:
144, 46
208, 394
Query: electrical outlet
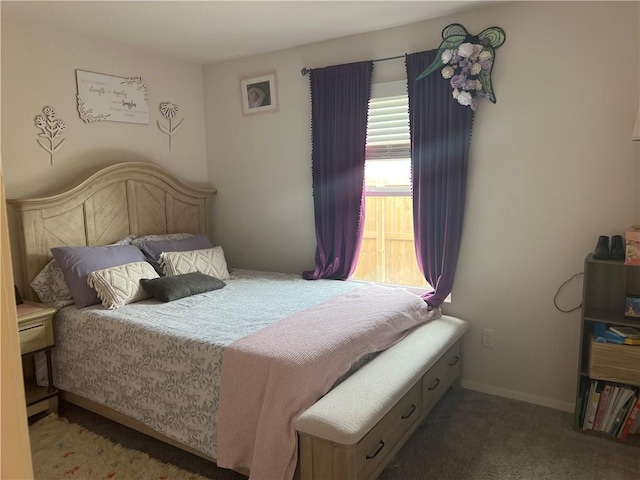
487, 338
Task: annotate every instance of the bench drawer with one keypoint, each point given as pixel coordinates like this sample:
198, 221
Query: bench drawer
440, 377
379, 443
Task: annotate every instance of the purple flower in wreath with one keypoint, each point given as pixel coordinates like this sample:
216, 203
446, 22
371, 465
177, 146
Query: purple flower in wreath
469, 85
457, 81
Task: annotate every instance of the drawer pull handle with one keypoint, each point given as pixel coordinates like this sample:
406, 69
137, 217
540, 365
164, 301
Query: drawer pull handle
409, 413
454, 361
31, 327
435, 385
375, 454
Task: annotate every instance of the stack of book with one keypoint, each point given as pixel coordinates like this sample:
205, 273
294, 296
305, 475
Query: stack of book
616, 334
610, 408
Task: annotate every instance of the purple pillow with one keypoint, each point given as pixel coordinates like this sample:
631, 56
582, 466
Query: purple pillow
153, 248
78, 262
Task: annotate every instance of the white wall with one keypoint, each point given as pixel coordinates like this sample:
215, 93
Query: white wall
38, 70
551, 168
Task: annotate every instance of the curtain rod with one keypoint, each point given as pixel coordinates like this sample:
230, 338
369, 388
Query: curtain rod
306, 70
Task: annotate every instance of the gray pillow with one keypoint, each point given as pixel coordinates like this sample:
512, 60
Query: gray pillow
153, 248
167, 289
78, 262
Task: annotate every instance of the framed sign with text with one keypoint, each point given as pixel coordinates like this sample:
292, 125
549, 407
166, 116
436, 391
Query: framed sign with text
110, 98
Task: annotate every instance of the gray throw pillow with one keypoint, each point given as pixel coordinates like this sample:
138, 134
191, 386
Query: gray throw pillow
167, 289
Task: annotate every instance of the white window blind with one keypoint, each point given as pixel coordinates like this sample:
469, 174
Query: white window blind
388, 149
388, 128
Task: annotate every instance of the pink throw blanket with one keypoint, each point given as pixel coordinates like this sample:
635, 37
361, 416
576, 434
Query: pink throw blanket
270, 377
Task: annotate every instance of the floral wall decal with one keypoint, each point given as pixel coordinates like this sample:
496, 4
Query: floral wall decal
169, 111
468, 62
51, 130
87, 115
140, 84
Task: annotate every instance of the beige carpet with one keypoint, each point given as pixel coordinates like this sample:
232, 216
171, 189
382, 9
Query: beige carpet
468, 436
64, 450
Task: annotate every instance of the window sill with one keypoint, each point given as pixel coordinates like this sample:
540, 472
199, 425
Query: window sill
412, 289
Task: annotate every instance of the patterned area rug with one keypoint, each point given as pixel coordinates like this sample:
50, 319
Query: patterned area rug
63, 450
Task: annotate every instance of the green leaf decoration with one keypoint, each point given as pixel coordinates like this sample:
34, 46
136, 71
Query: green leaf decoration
485, 76
454, 29
493, 36
448, 43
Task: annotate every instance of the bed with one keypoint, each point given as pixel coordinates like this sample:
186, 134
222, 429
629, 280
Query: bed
158, 367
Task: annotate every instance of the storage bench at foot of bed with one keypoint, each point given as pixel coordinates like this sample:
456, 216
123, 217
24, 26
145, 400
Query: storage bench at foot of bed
354, 431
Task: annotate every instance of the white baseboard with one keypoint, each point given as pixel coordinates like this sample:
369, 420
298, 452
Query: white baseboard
524, 397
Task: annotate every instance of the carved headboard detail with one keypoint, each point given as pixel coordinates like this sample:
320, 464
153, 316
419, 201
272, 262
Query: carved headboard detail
122, 199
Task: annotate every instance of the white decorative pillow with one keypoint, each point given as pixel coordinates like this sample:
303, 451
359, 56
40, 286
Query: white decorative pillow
50, 285
117, 286
209, 261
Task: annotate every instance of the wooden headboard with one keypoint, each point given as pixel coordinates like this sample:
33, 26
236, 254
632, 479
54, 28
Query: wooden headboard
122, 199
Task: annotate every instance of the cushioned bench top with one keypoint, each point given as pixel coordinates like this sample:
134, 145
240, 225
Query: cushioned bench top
350, 410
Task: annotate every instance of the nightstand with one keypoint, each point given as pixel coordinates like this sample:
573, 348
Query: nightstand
35, 328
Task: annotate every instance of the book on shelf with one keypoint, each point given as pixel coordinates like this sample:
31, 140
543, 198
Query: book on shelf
622, 413
635, 427
623, 424
592, 403
626, 332
629, 420
601, 334
632, 341
608, 412
624, 394
582, 400
602, 403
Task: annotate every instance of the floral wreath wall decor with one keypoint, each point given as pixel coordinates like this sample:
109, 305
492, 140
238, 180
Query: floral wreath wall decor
467, 60
169, 111
51, 128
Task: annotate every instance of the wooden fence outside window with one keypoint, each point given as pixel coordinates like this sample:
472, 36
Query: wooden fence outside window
388, 254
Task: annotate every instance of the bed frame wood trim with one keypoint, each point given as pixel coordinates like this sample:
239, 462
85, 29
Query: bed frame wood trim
125, 198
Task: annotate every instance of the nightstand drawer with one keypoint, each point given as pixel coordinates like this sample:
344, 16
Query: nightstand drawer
35, 334
33, 338
35, 330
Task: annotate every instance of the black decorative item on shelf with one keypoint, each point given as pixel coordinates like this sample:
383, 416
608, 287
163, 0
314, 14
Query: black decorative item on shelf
602, 248
609, 251
468, 62
617, 248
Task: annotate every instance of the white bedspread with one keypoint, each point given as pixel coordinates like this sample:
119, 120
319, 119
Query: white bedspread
160, 362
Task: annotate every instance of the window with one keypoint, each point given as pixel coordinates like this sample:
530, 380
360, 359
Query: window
388, 254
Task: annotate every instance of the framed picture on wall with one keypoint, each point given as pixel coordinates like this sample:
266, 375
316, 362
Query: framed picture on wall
259, 94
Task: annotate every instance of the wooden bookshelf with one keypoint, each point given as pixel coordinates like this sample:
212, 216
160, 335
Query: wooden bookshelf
607, 365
